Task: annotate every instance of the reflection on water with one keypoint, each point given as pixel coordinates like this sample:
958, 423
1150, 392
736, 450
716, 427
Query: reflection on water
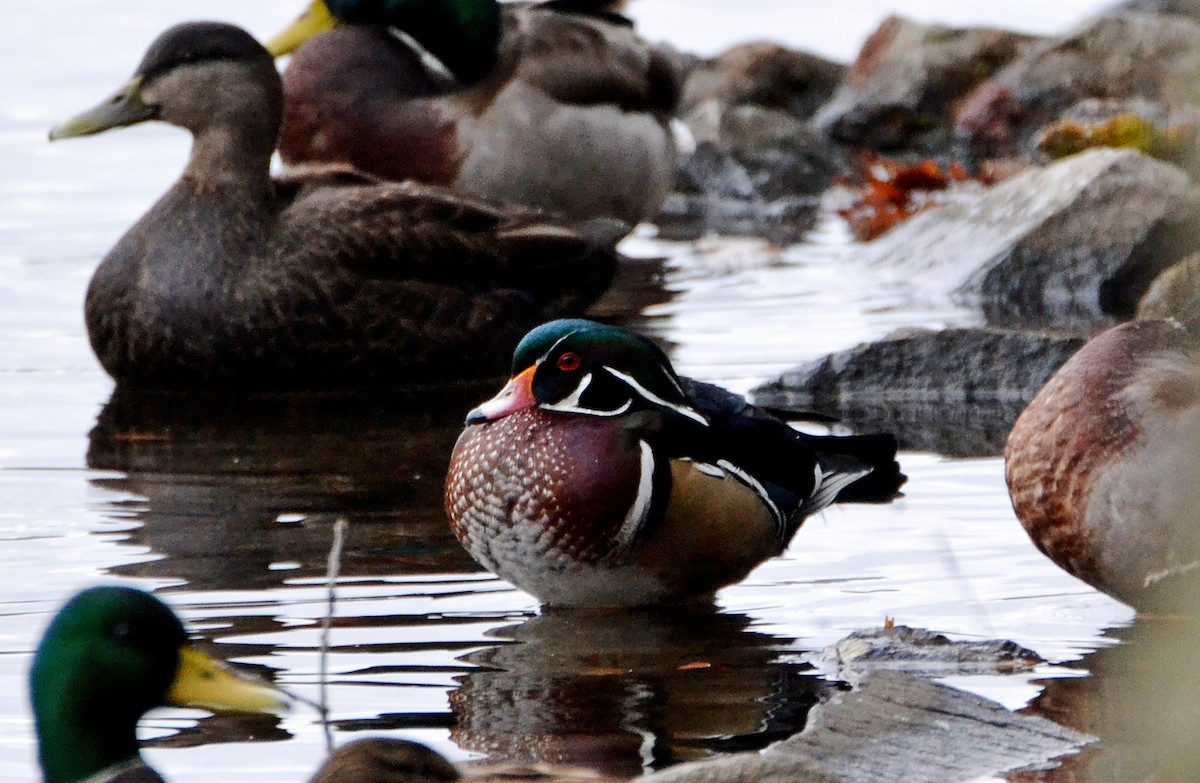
241, 492
627, 691
226, 506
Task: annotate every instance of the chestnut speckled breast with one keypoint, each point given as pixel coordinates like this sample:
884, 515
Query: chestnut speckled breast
599, 477
513, 495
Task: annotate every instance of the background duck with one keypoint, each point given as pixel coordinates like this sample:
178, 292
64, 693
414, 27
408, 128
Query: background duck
391, 760
231, 281
556, 105
110, 655
600, 477
1103, 466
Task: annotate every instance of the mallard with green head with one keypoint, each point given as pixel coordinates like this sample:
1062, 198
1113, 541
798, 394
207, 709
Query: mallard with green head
110, 655
555, 105
233, 280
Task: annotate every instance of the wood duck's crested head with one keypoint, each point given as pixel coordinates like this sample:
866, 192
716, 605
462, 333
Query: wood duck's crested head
200, 76
583, 367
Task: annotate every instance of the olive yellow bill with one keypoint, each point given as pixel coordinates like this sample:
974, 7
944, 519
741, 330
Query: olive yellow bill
123, 107
203, 681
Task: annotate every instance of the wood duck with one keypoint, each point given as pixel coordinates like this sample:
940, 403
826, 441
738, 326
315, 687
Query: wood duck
600, 477
233, 280
110, 655
557, 105
1103, 465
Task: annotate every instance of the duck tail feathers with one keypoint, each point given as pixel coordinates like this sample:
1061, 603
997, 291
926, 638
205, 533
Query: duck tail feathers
876, 453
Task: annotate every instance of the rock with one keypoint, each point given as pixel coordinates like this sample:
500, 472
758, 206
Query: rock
1070, 245
920, 650
762, 74
954, 392
900, 91
1189, 8
1122, 55
758, 165
1175, 293
763, 178
895, 727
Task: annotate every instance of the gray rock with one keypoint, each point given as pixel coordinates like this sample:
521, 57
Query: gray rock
920, 650
900, 91
895, 727
1190, 8
1175, 293
1120, 55
762, 177
762, 74
1071, 245
955, 392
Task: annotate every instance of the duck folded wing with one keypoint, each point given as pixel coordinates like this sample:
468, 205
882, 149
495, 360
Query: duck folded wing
767, 447
407, 231
590, 55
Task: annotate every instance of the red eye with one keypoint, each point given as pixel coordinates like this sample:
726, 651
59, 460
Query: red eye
569, 361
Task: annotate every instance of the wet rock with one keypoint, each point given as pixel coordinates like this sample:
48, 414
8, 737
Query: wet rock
758, 166
895, 727
954, 392
900, 91
918, 649
762, 177
1175, 293
1070, 245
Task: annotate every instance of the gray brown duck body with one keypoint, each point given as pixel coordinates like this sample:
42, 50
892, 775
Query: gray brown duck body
232, 280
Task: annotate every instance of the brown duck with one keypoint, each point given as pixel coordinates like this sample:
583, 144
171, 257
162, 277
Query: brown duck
233, 281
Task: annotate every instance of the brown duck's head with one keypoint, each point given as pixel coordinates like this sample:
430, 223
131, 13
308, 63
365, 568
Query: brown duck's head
198, 76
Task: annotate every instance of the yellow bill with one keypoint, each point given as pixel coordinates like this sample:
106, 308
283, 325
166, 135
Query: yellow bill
315, 19
203, 681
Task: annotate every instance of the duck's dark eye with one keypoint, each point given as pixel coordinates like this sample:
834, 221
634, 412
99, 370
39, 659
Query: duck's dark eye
569, 361
124, 633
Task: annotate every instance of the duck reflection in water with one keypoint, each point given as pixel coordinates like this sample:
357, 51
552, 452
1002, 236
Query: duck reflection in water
230, 487
629, 691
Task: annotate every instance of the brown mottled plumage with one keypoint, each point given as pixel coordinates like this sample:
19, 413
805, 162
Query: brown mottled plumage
388, 760
232, 281
572, 116
1103, 466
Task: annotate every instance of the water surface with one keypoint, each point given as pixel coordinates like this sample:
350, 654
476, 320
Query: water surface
226, 507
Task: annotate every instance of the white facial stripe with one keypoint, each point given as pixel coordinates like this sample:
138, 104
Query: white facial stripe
557, 342
570, 403
652, 397
636, 516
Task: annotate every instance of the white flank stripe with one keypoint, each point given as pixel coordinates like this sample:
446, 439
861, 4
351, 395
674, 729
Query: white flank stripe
754, 484
636, 516
652, 397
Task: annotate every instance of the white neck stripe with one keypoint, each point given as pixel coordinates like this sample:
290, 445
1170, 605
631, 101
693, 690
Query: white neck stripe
654, 398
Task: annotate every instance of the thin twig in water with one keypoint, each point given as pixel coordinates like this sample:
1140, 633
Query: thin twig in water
333, 568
